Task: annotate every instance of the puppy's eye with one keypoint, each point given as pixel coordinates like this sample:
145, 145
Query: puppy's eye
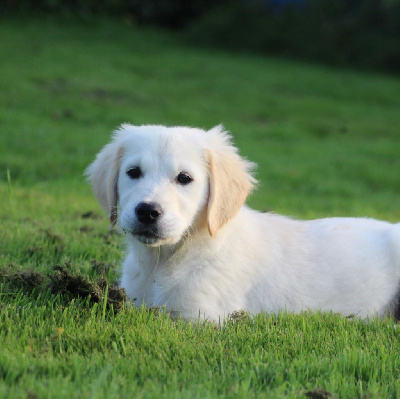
184, 178
135, 172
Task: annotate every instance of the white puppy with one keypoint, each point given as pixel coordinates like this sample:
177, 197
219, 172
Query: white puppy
194, 246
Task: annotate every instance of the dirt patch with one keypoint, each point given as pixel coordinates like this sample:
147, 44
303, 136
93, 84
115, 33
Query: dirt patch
86, 229
52, 237
239, 316
319, 393
102, 268
91, 215
109, 237
65, 281
68, 282
22, 279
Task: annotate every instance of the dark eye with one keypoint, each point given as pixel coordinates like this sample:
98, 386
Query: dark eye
184, 178
135, 172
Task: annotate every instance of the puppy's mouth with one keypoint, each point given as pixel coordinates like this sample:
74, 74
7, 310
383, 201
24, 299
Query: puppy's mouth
148, 237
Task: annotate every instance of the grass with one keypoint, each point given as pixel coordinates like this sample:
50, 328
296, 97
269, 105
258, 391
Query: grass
76, 353
327, 142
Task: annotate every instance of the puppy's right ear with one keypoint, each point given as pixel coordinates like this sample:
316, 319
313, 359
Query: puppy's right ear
103, 175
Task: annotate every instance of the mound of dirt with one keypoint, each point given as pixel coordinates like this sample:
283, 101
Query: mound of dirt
68, 282
22, 279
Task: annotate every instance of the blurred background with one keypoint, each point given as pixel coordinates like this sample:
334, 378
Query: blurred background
361, 33
308, 88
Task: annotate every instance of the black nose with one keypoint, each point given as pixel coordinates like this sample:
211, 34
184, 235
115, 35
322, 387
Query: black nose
148, 212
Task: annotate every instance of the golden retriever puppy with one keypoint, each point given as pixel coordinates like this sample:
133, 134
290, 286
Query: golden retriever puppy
178, 193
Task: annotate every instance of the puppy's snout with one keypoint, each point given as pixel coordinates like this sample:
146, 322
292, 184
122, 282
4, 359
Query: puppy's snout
148, 212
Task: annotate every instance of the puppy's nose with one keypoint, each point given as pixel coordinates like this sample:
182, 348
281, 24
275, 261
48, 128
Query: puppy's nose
148, 212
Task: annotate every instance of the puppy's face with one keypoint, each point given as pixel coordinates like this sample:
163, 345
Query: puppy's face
170, 181
162, 185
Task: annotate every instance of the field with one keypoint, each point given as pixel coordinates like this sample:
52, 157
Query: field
327, 143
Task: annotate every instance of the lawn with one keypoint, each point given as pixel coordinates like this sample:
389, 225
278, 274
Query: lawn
327, 142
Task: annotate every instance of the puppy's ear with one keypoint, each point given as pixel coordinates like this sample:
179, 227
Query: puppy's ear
103, 175
230, 180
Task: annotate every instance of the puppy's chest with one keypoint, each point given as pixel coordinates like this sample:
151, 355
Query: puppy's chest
174, 284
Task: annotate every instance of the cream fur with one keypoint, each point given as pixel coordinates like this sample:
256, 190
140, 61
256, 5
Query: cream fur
208, 254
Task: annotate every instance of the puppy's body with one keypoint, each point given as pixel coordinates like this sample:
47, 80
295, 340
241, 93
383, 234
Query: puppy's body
269, 262
207, 254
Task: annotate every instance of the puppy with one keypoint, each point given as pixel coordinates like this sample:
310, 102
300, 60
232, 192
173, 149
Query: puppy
193, 246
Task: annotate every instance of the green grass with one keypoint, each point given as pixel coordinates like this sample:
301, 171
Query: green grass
327, 142
136, 354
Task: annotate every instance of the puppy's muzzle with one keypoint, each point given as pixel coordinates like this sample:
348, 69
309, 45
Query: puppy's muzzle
148, 212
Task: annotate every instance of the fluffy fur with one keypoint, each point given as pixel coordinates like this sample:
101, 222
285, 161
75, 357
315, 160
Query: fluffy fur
204, 253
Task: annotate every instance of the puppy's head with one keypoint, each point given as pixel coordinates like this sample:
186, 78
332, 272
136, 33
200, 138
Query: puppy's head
170, 181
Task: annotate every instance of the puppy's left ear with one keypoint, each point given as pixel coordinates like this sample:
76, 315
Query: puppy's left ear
103, 175
230, 180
